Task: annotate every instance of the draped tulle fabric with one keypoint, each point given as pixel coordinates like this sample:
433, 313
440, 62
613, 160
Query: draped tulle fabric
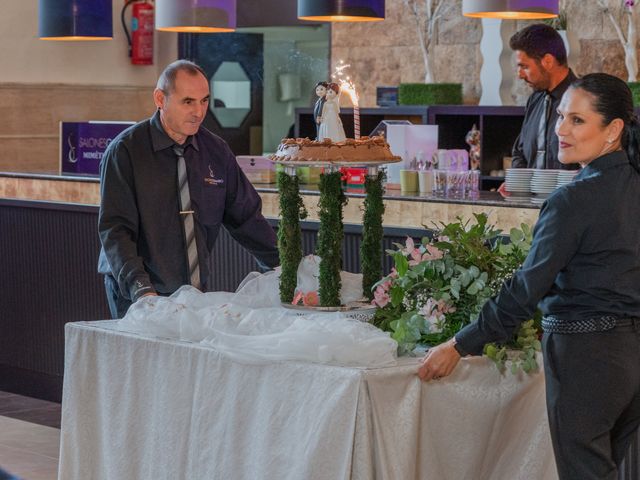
251, 326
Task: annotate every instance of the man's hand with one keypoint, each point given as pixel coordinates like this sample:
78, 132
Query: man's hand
439, 362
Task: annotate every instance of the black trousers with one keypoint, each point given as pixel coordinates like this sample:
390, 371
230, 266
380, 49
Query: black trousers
593, 399
118, 305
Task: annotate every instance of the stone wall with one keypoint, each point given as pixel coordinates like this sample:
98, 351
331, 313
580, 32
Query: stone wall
388, 53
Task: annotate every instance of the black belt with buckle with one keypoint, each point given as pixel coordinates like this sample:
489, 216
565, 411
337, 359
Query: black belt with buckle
551, 324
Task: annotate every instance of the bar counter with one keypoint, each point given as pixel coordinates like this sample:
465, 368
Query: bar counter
403, 210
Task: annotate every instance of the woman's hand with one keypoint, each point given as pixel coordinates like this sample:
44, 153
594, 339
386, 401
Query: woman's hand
439, 362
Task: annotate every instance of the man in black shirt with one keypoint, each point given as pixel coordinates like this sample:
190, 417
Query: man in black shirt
146, 244
542, 63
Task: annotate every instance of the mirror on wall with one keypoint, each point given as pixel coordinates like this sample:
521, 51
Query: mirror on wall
231, 94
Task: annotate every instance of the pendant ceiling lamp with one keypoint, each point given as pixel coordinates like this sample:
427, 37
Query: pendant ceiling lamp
341, 10
75, 20
196, 16
510, 9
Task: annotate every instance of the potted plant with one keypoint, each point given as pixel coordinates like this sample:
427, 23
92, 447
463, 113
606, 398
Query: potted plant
440, 284
427, 15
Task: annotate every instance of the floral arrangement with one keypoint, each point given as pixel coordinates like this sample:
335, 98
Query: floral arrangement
439, 285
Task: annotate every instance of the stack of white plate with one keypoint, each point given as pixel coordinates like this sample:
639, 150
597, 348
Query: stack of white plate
565, 176
543, 182
518, 181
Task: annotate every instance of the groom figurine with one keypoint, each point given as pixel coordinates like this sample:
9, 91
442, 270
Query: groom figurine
321, 91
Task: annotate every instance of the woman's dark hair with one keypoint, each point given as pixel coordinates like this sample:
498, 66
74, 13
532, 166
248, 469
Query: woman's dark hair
613, 99
539, 39
335, 87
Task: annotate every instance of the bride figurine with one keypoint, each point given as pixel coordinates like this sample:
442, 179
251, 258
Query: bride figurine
330, 123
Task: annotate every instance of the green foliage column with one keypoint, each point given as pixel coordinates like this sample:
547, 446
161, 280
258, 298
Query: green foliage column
371, 246
332, 199
289, 234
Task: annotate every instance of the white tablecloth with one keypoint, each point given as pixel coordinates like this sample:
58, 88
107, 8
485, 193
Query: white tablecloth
137, 407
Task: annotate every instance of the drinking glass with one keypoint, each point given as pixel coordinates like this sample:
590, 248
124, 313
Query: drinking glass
456, 184
473, 183
440, 182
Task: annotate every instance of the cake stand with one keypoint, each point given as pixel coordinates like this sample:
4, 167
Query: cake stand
330, 234
360, 310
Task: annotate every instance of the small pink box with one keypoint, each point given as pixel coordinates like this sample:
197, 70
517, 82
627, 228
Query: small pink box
257, 169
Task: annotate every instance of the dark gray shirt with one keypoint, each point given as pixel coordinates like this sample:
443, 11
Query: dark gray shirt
584, 260
140, 227
526, 145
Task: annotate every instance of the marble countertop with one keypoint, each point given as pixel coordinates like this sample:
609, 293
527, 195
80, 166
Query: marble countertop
483, 198
402, 209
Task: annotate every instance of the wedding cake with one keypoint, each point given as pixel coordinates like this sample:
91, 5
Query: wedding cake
364, 149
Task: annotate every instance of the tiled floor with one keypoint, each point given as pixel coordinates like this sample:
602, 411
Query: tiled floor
29, 437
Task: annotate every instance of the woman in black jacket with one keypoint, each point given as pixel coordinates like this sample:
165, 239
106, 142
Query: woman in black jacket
583, 272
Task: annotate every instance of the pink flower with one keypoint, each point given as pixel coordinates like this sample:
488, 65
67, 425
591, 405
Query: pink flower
444, 307
394, 273
434, 312
311, 299
297, 298
416, 257
381, 295
381, 298
409, 246
432, 253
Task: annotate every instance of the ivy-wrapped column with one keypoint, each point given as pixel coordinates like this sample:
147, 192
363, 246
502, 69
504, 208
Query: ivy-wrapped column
289, 233
330, 235
372, 231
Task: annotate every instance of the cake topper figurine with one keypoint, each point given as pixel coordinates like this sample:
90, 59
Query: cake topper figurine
473, 140
330, 123
321, 91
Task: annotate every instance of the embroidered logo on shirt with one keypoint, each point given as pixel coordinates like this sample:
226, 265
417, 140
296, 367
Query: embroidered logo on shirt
211, 179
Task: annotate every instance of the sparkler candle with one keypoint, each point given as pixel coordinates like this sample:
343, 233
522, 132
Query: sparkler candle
347, 85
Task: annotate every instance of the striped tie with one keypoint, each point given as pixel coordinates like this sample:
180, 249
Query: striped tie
187, 218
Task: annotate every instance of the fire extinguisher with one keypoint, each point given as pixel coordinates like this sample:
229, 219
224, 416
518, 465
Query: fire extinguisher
141, 38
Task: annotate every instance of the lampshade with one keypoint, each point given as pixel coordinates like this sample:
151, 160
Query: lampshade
341, 10
510, 9
196, 16
75, 20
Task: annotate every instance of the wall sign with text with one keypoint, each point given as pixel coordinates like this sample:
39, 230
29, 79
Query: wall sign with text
82, 145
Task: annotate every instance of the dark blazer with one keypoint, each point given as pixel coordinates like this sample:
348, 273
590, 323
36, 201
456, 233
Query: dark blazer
317, 111
526, 145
